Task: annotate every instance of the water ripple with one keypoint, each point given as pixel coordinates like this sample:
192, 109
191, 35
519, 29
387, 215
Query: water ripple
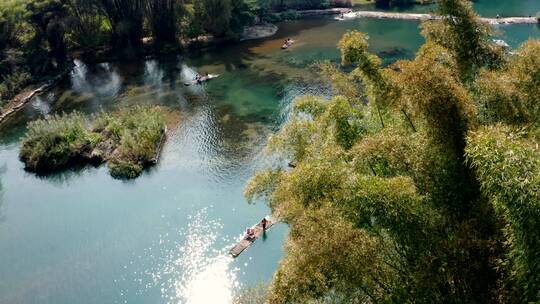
189, 269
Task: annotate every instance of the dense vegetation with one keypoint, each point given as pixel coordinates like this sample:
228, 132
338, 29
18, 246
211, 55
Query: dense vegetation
36, 36
418, 182
128, 140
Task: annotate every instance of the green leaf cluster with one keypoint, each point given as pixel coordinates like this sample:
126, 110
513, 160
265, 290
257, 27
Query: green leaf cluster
417, 182
128, 140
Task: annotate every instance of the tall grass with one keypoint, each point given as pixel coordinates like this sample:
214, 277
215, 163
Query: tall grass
139, 131
129, 140
52, 143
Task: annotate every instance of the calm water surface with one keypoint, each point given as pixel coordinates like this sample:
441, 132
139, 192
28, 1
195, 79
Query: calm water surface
82, 237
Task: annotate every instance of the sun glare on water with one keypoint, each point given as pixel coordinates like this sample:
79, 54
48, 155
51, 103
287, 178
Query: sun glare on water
204, 274
191, 271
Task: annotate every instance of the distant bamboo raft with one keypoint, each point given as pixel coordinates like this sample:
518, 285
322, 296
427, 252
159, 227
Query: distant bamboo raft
422, 17
244, 243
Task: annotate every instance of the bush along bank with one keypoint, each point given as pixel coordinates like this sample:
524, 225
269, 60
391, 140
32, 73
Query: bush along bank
129, 141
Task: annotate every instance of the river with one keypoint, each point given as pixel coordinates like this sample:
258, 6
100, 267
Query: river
80, 236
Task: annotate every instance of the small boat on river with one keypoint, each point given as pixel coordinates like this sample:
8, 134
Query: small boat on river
246, 240
288, 43
202, 79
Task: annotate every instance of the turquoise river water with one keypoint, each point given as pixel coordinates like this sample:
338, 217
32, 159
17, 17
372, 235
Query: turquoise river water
80, 236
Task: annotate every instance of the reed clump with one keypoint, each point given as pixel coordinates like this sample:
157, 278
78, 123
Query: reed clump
128, 140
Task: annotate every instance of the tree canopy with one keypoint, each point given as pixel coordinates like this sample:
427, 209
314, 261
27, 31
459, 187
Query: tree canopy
416, 182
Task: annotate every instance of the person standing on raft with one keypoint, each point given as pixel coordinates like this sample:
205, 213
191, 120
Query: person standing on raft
264, 222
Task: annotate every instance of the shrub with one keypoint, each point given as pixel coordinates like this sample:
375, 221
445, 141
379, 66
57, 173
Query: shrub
130, 140
53, 143
141, 131
120, 168
12, 84
289, 15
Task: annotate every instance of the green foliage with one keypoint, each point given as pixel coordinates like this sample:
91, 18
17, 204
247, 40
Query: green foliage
354, 46
303, 4
126, 18
129, 140
216, 16
409, 198
139, 131
86, 28
11, 23
163, 16
12, 84
328, 255
53, 143
289, 15
243, 13
348, 127
342, 83
47, 17
252, 295
191, 21
507, 161
465, 35
433, 91
510, 94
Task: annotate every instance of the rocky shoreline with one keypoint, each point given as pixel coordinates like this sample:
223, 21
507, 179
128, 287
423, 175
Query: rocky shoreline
19, 101
423, 17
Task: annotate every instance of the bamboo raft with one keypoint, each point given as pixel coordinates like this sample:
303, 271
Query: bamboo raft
244, 243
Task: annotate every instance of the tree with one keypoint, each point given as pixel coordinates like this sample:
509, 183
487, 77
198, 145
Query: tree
507, 162
126, 19
463, 33
163, 20
216, 16
423, 172
510, 94
48, 17
88, 27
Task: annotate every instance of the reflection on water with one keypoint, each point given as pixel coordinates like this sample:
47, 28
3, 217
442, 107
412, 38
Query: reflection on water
191, 270
66, 237
103, 80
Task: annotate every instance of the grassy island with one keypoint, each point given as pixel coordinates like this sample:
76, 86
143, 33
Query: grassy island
129, 141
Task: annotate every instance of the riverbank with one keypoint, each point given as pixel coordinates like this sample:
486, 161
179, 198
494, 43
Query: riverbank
258, 31
26, 95
423, 17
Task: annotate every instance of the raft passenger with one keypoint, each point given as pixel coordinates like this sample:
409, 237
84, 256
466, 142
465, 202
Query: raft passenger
250, 233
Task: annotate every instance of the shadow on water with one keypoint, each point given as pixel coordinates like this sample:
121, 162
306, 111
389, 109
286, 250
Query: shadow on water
64, 177
392, 54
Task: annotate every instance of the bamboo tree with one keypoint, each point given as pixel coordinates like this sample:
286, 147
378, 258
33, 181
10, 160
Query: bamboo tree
163, 20
126, 19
